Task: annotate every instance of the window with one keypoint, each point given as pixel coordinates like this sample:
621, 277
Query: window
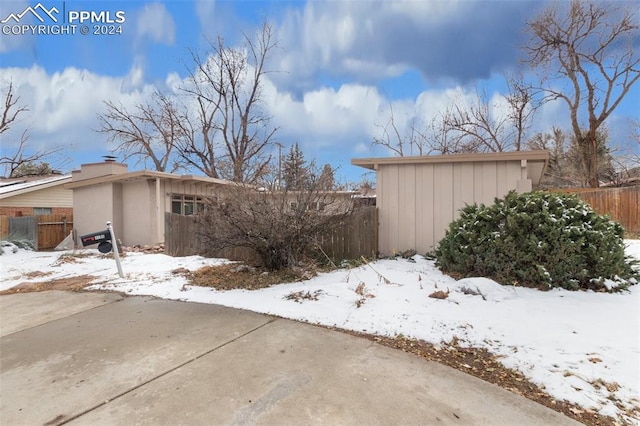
42, 210
186, 204
176, 205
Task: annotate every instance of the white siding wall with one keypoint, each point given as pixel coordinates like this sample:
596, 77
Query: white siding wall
47, 197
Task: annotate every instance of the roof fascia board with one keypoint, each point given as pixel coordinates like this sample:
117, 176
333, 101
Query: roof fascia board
373, 163
36, 187
149, 174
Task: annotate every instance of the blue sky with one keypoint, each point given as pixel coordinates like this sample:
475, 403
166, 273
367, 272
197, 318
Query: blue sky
342, 66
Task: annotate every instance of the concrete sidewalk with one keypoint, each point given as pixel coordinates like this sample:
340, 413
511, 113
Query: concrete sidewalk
100, 359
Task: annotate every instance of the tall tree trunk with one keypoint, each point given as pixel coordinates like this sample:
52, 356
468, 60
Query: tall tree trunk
592, 149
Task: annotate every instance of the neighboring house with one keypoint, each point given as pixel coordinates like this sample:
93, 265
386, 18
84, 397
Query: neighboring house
418, 197
34, 196
135, 202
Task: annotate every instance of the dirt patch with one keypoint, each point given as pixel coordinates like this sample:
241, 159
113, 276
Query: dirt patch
237, 276
65, 284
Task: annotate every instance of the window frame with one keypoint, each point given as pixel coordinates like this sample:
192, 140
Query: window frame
188, 204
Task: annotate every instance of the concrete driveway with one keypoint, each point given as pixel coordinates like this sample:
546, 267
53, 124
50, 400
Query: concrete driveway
101, 359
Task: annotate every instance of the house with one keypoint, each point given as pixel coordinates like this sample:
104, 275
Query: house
418, 197
135, 202
33, 196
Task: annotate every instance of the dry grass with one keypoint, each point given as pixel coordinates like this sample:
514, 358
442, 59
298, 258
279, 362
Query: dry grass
225, 277
63, 284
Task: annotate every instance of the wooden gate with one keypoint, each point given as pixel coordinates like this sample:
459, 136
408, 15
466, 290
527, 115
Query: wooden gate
52, 229
44, 232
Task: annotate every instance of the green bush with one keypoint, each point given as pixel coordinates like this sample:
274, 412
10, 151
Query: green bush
538, 239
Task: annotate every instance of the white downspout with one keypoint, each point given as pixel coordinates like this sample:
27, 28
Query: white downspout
159, 214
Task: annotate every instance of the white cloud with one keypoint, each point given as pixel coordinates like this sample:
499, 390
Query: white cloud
156, 23
459, 40
63, 106
341, 121
325, 116
205, 9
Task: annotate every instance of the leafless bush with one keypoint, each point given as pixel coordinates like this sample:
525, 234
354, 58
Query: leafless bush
282, 227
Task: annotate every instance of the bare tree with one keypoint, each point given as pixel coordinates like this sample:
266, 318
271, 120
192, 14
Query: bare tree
22, 155
11, 108
522, 107
566, 168
229, 132
591, 45
635, 139
283, 227
397, 141
478, 127
150, 131
426, 138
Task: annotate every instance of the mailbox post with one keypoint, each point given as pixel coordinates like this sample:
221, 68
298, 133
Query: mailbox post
106, 241
116, 249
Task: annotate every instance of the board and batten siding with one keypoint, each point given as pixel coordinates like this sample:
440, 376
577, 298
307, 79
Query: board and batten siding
417, 202
45, 197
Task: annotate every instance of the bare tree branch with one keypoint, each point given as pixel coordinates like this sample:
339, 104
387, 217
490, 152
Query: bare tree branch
150, 131
22, 155
11, 109
426, 138
282, 227
590, 44
229, 136
478, 127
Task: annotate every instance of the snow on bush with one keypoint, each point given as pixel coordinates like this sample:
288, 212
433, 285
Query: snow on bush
538, 239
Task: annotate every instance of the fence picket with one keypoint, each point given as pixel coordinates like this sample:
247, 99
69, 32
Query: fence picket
622, 204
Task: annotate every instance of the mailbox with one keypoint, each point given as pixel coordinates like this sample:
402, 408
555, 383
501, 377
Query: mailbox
102, 238
104, 241
95, 238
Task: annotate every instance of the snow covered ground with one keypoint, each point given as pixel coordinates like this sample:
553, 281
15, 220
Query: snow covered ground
580, 346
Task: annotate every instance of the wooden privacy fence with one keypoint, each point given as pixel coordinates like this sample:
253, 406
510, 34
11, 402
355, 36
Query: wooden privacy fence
52, 229
622, 204
181, 236
4, 227
44, 231
356, 236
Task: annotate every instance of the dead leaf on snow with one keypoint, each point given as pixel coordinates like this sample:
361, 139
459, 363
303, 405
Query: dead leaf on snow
439, 294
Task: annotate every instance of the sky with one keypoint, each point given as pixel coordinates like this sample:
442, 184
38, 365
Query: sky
570, 343
339, 70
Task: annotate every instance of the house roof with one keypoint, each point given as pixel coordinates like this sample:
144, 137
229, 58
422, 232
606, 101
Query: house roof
373, 163
535, 162
146, 174
13, 187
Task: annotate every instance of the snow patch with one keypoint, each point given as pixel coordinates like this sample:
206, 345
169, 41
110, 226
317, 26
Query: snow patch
579, 346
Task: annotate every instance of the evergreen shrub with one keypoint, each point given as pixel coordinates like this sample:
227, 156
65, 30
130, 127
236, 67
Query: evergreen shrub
538, 239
